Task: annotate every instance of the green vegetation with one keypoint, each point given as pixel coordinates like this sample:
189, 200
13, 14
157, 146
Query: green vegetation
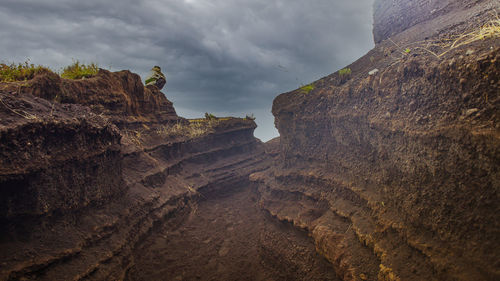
407, 50
185, 130
307, 88
345, 71
79, 70
20, 72
199, 127
194, 128
26, 71
210, 116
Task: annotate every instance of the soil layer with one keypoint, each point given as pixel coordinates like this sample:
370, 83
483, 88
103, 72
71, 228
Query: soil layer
229, 238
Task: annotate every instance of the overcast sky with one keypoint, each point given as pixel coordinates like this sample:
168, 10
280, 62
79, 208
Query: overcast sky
227, 57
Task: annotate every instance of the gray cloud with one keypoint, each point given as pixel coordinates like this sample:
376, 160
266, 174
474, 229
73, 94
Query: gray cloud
220, 56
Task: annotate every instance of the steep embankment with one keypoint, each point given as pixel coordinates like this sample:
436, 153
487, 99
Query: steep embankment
393, 166
89, 167
390, 165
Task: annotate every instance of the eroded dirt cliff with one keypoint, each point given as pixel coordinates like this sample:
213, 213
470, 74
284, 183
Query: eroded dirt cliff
90, 167
390, 167
393, 166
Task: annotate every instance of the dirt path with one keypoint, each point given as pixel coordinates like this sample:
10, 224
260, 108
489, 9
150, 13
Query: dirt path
229, 238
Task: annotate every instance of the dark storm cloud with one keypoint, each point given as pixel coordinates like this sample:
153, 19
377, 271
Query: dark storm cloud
220, 56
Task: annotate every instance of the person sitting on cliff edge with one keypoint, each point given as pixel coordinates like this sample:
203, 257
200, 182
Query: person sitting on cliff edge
156, 78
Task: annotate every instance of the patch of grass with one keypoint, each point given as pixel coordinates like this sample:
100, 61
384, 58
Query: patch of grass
489, 30
20, 72
345, 71
407, 50
79, 70
210, 116
307, 88
191, 130
205, 120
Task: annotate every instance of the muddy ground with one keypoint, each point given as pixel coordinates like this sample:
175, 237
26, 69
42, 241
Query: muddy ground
229, 238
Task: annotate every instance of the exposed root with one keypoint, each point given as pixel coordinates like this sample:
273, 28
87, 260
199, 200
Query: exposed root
21, 113
489, 30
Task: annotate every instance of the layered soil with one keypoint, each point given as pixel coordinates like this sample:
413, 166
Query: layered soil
393, 169
96, 187
83, 183
54, 157
388, 171
228, 237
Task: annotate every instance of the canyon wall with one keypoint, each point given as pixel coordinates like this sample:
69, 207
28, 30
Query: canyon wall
90, 167
393, 167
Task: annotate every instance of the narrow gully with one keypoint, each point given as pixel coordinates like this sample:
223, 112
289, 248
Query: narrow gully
228, 237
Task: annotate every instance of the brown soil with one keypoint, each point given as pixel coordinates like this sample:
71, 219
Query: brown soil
82, 184
407, 163
395, 174
391, 175
229, 238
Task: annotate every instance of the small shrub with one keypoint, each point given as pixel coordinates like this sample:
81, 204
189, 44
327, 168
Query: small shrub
345, 71
195, 128
210, 116
19, 72
250, 117
307, 88
79, 70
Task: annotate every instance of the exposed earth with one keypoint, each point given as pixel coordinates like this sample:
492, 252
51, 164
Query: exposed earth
229, 238
387, 170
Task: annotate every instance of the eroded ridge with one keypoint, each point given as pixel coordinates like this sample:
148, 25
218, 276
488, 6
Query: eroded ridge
86, 177
392, 166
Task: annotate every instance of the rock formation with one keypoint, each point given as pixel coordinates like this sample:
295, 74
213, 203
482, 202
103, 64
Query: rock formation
396, 174
88, 167
390, 165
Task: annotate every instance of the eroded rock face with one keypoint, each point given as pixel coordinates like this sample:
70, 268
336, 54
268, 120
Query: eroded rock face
84, 180
55, 164
395, 174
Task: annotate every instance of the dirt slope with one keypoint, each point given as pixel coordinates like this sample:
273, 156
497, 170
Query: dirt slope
227, 237
395, 174
90, 166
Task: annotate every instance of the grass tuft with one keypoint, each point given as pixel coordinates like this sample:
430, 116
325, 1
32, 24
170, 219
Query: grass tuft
307, 88
489, 30
79, 70
210, 116
195, 128
20, 72
345, 71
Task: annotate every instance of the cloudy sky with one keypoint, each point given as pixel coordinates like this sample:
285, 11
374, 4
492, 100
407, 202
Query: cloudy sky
227, 57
